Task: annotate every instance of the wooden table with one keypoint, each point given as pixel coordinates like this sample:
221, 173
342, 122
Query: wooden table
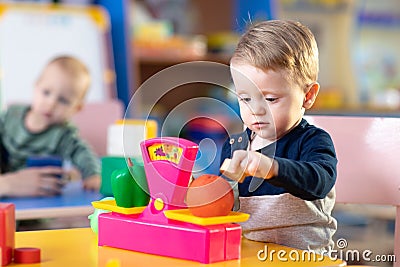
78, 247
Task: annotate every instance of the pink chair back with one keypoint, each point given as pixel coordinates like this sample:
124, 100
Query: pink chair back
368, 152
93, 121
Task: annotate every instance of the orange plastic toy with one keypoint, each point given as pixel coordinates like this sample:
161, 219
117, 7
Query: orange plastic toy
209, 196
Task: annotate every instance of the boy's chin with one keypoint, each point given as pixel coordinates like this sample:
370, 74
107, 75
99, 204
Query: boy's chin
268, 135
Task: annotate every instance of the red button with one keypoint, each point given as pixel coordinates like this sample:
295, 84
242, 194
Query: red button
27, 255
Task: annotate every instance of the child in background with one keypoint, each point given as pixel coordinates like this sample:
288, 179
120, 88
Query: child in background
43, 128
286, 167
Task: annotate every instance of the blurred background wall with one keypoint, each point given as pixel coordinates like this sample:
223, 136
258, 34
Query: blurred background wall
358, 42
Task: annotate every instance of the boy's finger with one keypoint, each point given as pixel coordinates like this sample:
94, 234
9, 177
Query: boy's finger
51, 170
50, 189
229, 169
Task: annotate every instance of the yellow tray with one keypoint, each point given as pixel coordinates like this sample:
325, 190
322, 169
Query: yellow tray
111, 205
184, 215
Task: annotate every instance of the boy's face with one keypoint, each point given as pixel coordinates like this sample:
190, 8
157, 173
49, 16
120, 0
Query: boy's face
269, 105
56, 96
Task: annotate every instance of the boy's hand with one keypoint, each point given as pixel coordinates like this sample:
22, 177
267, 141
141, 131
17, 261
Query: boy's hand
228, 170
92, 183
249, 163
35, 181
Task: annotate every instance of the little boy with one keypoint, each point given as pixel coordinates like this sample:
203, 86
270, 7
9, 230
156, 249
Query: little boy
43, 129
286, 167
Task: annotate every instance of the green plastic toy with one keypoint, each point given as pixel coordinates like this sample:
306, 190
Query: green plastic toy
129, 185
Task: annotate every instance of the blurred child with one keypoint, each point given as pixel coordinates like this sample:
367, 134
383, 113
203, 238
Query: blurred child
286, 167
43, 128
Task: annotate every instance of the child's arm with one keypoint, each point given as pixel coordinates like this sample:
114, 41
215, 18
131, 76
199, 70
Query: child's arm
310, 176
31, 182
83, 158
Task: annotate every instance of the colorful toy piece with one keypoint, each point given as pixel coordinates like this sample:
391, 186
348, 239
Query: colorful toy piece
94, 217
7, 232
44, 161
27, 255
129, 186
165, 226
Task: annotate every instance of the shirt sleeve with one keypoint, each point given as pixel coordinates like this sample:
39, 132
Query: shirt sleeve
80, 154
314, 174
225, 152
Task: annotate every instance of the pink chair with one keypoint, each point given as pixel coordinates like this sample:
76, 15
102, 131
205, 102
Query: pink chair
368, 152
93, 121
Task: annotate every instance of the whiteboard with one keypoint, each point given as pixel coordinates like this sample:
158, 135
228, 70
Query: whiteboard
31, 36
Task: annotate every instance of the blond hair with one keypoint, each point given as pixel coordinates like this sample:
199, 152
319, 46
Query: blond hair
280, 45
76, 69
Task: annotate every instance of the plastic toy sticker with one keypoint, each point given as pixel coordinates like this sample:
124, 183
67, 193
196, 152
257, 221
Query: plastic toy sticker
165, 152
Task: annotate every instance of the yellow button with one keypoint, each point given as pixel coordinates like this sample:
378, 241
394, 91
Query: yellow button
158, 204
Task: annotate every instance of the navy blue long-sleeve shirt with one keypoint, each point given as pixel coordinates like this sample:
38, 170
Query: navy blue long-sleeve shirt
307, 163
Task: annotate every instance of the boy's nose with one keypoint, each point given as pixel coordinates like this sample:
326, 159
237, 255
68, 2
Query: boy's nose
259, 108
51, 103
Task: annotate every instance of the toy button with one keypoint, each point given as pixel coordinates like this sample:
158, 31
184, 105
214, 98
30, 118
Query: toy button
27, 255
159, 204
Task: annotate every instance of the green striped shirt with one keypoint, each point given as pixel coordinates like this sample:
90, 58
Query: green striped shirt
58, 140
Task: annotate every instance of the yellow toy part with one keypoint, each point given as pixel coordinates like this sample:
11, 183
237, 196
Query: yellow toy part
111, 205
184, 215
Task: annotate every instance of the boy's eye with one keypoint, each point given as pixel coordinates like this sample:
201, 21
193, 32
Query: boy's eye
245, 99
46, 91
270, 99
63, 100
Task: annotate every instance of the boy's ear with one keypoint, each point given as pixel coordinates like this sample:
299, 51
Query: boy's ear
311, 95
